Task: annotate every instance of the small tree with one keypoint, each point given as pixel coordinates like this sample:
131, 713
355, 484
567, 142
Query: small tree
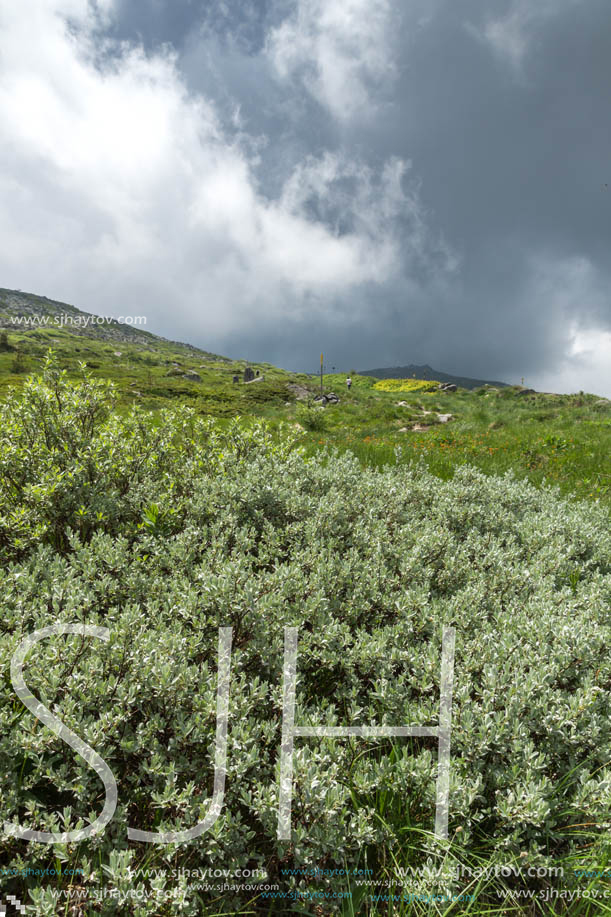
19, 364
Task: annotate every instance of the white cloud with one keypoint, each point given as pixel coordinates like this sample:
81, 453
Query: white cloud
511, 36
585, 366
341, 49
563, 289
118, 188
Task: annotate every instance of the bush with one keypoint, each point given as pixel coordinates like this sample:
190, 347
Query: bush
5, 345
19, 364
406, 385
312, 418
164, 532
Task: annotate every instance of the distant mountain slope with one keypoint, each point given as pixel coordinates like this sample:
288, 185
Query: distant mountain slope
37, 315
144, 368
426, 372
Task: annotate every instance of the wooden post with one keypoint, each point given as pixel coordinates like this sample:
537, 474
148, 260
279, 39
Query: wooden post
321, 374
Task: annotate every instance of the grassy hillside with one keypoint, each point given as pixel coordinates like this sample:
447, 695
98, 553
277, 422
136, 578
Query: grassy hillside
562, 439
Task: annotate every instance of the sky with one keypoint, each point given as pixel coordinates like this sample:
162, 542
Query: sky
386, 181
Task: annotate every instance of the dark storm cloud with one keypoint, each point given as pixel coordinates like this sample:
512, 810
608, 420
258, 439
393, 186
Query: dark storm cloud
512, 166
497, 239
512, 156
157, 21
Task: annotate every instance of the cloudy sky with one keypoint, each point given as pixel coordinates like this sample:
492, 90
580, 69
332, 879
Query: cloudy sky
390, 181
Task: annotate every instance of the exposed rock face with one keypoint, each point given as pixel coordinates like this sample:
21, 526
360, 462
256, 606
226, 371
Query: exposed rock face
192, 376
447, 387
300, 392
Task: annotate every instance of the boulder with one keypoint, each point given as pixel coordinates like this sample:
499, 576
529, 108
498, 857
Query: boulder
447, 387
526, 391
249, 374
192, 376
300, 391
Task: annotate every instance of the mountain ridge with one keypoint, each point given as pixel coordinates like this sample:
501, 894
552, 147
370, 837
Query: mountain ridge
25, 312
427, 372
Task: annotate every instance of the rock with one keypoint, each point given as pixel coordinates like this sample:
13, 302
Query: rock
402, 404
192, 376
332, 398
420, 428
444, 418
526, 391
447, 387
300, 391
322, 399
236, 379
256, 379
404, 430
249, 374
118, 353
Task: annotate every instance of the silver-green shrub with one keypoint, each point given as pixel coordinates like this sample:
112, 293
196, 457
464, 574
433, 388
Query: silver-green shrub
163, 530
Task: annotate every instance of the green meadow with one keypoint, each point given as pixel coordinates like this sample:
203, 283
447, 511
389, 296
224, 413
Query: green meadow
560, 440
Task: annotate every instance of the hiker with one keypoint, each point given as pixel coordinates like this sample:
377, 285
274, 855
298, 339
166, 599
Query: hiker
349, 382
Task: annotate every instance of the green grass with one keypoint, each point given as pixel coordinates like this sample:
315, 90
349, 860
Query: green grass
562, 440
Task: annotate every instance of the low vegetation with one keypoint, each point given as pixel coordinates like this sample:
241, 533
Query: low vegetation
563, 440
406, 385
164, 526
